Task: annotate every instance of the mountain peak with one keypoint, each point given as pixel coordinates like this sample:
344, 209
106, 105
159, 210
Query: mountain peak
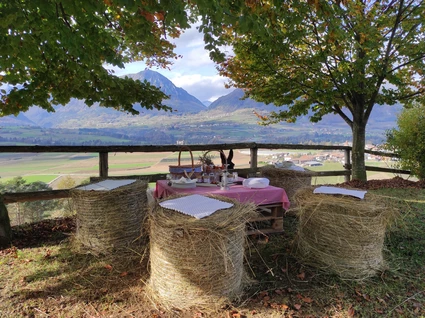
180, 99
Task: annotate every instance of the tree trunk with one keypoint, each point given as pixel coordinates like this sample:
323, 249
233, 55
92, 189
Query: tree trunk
357, 156
5, 229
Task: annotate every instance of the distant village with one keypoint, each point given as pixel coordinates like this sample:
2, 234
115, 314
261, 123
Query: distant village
318, 157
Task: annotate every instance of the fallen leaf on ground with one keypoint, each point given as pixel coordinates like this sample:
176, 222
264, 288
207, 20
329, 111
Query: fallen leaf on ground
297, 306
307, 300
382, 301
278, 291
108, 267
48, 254
263, 293
301, 275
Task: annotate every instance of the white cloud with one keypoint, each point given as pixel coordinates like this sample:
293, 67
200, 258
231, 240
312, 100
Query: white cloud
205, 88
195, 57
190, 38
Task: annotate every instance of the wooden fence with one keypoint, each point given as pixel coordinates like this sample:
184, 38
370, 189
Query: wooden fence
104, 151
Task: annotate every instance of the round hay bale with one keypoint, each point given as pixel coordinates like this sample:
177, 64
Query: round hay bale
342, 234
290, 180
110, 220
197, 262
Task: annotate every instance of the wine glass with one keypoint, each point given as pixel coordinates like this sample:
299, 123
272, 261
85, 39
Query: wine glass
169, 177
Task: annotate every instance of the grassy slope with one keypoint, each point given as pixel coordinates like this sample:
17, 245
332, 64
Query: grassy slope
59, 281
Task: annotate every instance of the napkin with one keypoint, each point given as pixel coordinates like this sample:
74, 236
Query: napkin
184, 180
256, 183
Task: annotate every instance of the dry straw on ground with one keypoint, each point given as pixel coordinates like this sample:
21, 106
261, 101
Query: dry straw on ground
197, 262
342, 234
110, 220
290, 180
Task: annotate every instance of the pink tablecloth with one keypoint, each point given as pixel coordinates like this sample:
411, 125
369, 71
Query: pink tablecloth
268, 195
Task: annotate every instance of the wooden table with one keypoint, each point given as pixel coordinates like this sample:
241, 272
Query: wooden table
271, 201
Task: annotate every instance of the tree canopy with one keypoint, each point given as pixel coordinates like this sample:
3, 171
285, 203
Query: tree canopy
51, 51
335, 56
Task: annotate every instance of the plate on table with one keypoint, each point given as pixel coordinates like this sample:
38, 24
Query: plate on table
183, 185
205, 184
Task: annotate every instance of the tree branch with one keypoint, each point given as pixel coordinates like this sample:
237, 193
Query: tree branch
385, 65
337, 109
407, 63
64, 16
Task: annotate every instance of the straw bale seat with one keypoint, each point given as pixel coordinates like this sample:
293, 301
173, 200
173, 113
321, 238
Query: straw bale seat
342, 234
197, 262
290, 180
110, 220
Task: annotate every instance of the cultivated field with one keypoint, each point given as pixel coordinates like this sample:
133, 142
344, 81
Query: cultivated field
50, 167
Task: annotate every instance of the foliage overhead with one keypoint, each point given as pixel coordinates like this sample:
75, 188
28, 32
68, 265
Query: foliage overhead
51, 51
330, 56
335, 56
409, 140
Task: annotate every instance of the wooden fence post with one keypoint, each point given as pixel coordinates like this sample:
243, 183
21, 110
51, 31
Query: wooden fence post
253, 163
103, 164
347, 164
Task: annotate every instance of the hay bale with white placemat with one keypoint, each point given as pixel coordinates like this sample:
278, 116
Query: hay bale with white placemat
110, 220
197, 262
342, 234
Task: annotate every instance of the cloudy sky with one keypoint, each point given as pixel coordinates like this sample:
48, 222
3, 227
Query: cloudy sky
194, 72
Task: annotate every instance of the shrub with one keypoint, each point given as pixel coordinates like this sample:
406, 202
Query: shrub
408, 141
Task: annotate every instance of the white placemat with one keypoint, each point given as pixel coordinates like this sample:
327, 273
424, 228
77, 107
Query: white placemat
106, 185
195, 205
335, 190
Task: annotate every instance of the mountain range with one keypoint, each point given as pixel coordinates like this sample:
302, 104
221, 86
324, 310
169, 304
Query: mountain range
77, 115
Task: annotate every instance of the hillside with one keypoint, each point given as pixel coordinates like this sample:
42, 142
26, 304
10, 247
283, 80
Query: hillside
228, 119
77, 114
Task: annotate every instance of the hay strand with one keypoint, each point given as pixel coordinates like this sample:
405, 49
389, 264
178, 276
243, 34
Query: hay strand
341, 234
197, 262
110, 220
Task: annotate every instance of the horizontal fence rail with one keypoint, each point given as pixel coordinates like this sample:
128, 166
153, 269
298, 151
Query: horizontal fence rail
104, 151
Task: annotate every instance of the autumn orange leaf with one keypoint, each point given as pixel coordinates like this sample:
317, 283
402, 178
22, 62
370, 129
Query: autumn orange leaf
297, 306
108, 267
263, 293
307, 300
301, 275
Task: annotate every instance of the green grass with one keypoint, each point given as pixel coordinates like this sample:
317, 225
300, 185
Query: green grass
42, 178
129, 165
58, 280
